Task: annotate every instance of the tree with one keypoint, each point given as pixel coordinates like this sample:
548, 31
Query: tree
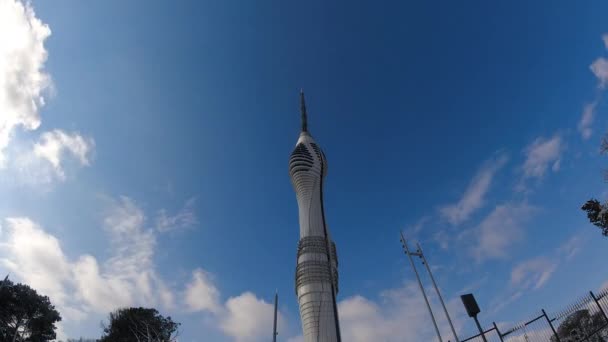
582, 326
25, 315
139, 325
597, 214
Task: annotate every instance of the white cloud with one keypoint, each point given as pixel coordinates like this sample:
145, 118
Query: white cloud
184, 218
585, 124
83, 285
496, 234
53, 146
249, 319
35, 256
599, 67
24, 83
473, 197
201, 294
399, 312
23, 80
541, 154
533, 273
571, 247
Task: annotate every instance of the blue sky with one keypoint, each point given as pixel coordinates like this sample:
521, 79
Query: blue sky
144, 151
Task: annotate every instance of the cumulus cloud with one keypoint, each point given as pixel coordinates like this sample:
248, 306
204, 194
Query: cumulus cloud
23, 80
24, 84
533, 273
473, 197
201, 294
245, 318
398, 312
83, 285
184, 218
249, 319
499, 231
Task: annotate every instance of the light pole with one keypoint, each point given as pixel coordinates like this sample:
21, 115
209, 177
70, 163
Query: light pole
472, 310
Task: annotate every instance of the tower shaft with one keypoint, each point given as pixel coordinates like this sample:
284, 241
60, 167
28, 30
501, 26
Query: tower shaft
317, 262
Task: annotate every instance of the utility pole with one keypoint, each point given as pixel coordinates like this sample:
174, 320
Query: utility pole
409, 254
274, 329
428, 268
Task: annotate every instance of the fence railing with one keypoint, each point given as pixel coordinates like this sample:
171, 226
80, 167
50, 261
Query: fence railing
585, 320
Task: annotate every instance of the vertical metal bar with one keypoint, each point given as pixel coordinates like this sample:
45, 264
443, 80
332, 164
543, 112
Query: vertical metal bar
407, 251
551, 325
426, 264
483, 336
498, 331
274, 329
598, 305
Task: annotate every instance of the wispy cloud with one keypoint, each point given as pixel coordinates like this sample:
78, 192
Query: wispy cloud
599, 67
54, 145
533, 273
184, 218
495, 236
571, 247
586, 122
542, 154
473, 197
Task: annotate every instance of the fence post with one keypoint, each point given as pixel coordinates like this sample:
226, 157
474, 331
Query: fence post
551, 325
598, 305
498, 332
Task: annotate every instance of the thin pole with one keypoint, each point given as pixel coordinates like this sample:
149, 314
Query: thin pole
498, 332
551, 325
598, 305
407, 251
483, 336
428, 268
274, 330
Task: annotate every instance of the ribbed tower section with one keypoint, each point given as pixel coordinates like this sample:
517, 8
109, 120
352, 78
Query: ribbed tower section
317, 261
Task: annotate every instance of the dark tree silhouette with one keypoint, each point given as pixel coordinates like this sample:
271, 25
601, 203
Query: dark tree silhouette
139, 325
583, 326
25, 315
597, 214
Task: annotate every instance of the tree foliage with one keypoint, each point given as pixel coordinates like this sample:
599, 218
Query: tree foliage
139, 325
25, 315
597, 214
583, 326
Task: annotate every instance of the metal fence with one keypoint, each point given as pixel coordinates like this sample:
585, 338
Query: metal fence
585, 320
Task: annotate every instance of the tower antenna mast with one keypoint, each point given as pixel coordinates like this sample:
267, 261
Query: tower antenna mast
274, 329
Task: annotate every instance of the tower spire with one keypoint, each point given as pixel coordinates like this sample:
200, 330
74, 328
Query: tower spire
303, 111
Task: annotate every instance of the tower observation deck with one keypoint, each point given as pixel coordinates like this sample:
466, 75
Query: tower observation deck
317, 260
